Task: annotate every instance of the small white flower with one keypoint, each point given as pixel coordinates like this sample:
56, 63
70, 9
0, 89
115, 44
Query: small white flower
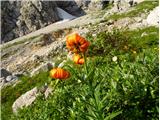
79, 81
114, 59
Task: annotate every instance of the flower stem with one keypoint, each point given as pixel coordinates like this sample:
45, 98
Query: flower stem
55, 84
85, 63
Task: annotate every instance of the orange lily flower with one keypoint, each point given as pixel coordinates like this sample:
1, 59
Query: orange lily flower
59, 73
78, 59
76, 43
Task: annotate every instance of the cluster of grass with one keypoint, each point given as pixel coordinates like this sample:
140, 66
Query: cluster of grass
116, 42
142, 7
122, 90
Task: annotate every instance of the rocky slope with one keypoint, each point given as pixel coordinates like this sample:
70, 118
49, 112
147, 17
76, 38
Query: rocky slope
22, 17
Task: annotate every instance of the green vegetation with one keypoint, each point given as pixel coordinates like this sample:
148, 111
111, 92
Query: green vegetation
10, 94
143, 7
126, 88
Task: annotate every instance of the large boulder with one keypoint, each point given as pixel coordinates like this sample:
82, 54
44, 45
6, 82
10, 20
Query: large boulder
25, 100
30, 96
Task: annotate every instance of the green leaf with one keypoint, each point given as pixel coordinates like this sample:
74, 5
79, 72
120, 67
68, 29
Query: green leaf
112, 115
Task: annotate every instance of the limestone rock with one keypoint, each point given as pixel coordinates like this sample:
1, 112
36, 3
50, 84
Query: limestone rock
153, 17
43, 67
25, 100
47, 92
2, 82
11, 78
120, 5
124, 22
123, 5
97, 5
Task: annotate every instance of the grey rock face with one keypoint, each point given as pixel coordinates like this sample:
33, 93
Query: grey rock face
37, 14
22, 17
9, 15
97, 5
76, 7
